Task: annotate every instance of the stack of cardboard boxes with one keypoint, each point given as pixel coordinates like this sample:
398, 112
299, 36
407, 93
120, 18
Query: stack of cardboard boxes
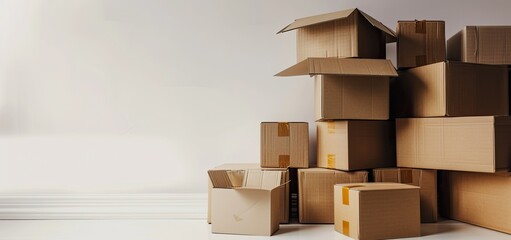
449, 115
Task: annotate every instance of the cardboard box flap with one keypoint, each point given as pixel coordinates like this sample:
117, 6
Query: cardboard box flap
327, 17
257, 179
377, 186
226, 178
341, 66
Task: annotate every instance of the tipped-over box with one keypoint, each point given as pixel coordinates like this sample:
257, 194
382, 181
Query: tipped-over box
477, 198
245, 202
473, 144
481, 44
452, 89
348, 88
347, 33
420, 43
423, 178
284, 195
356, 144
285, 144
377, 210
316, 192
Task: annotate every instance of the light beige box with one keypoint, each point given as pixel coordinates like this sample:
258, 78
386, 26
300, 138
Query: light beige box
377, 210
473, 144
356, 144
284, 144
245, 202
426, 179
481, 44
284, 195
316, 192
420, 43
348, 88
452, 89
481, 199
347, 33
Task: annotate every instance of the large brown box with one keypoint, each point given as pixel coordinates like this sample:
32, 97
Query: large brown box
356, 144
481, 44
420, 43
377, 210
316, 192
451, 89
473, 144
348, 33
477, 198
426, 179
348, 88
284, 192
284, 144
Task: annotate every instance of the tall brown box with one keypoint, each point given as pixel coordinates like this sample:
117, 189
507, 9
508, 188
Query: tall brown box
347, 33
316, 192
348, 88
377, 210
451, 89
473, 144
424, 178
420, 43
481, 44
356, 144
284, 144
477, 198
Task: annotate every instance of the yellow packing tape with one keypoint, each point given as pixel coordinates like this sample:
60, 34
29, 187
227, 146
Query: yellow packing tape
283, 129
284, 161
345, 228
330, 161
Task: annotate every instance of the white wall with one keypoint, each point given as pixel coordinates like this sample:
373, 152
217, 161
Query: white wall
132, 96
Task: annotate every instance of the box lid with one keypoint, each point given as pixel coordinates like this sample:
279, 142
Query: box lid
341, 66
361, 187
246, 179
327, 17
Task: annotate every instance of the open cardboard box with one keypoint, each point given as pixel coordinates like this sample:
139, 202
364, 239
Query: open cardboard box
246, 202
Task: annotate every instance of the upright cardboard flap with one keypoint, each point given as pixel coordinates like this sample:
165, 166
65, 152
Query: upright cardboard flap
323, 18
260, 179
226, 178
341, 66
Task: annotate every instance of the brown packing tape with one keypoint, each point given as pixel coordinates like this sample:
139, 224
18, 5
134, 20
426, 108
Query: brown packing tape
346, 194
345, 228
420, 60
420, 26
405, 176
284, 161
283, 129
330, 161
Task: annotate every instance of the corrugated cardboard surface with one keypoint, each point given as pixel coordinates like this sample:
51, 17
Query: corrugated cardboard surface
475, 144
343, 66
284, 192
481, 44
423, 178
247, 203
377, 210
285, 144
477, 198
316, 192
451, 89
347, 33
420, 43
355, 144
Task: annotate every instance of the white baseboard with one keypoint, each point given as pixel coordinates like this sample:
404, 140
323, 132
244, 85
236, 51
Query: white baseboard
103, 206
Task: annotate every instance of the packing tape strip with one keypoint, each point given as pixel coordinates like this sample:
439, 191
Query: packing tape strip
331, 127
283, 129
405, 176
346, 194
420, 26
284, 161
330, 161
345, 228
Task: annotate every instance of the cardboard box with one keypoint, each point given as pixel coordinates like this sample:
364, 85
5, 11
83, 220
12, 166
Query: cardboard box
420, 43
423, 178
347, 33
477, 198
452, 89
316, 192
284, 195
285, 144
348, 88
354, 145
245, 201
377, 210
473, 144
481, 44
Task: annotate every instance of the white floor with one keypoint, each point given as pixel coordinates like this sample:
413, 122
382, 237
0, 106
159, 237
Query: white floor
199, 229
